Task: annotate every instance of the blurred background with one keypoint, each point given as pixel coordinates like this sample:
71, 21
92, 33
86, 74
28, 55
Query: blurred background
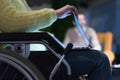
102, 15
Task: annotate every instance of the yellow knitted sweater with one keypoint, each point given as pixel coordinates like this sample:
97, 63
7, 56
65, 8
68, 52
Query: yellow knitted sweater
16, 16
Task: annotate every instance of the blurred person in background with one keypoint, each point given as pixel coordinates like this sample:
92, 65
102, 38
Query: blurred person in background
73, 35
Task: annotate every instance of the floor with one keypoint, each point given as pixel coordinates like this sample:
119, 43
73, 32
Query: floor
116, 74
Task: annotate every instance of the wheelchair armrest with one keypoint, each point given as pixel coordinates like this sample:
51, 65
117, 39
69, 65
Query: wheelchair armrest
32, 37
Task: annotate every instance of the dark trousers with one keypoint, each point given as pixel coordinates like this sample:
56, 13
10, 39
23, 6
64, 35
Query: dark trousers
91, 62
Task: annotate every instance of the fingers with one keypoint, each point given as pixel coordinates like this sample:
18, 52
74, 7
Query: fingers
72, 9
66, 11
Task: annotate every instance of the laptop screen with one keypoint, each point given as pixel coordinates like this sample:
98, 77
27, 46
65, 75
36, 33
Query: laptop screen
82, 33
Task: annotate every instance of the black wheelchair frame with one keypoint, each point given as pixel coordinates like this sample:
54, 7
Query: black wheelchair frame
34, 64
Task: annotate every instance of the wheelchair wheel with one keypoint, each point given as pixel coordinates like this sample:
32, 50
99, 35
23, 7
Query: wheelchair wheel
15, 67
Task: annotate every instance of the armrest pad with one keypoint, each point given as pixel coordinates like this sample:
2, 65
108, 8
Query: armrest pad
27, 37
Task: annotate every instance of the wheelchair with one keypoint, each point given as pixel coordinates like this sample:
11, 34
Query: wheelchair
19, 61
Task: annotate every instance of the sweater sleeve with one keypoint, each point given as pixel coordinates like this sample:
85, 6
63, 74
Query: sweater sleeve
12, 20
94, 39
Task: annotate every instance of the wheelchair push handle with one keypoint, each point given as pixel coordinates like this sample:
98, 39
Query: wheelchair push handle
68, 48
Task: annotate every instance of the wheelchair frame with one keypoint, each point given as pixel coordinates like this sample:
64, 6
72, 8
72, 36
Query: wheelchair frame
20, 42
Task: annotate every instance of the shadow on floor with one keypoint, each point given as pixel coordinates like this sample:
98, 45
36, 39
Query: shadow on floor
116, 74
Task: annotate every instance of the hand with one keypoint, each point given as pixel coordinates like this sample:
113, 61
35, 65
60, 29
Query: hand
66, 11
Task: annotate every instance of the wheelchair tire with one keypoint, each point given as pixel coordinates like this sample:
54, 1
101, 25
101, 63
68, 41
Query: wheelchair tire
15, 67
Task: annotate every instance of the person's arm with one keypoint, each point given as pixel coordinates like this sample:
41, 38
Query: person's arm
12, 20
94, 40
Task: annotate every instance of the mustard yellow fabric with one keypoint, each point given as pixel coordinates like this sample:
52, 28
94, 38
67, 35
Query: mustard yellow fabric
106, 39
17, 16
